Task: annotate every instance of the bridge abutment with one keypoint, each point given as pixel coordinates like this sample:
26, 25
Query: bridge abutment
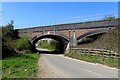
74, 40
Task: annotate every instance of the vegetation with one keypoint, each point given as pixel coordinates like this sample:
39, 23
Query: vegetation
23, 44
52, 45
90, 39
106, 41
110, 17
20, 66
12, 43
18, 61
9, 35
94, 59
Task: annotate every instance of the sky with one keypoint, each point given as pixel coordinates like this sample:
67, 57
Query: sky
60, 0
33, 14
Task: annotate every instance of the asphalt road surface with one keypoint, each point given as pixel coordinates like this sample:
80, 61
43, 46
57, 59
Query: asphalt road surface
41, 49
64, 67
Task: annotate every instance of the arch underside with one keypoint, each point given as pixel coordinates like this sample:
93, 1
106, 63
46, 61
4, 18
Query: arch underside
91, 33
62, 40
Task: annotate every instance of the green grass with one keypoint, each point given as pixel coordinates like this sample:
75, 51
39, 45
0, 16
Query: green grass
20, 66
94, 59
0, 69
107, 41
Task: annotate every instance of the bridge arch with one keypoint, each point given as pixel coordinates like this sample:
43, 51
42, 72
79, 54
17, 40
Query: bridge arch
62, 40
91, 33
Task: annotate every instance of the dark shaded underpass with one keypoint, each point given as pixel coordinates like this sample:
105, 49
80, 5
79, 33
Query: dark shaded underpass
61, 47
90, 39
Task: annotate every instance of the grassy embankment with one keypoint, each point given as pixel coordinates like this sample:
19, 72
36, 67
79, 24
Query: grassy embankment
20, 66
106, 41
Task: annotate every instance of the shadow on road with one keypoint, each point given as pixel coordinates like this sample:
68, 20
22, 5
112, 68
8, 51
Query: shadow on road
50, 52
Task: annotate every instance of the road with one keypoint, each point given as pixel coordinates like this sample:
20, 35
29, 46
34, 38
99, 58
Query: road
41, 49
64, 67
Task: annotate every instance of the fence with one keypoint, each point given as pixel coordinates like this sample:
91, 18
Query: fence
97, 52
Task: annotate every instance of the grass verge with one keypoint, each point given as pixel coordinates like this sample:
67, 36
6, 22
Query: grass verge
0, 69
20, 66
94, 59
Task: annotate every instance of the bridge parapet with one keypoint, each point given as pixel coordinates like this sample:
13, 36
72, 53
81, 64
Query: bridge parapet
72, 26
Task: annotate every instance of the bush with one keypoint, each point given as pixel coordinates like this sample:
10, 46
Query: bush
7, 51
9, 35
12, 43
26, 51
23, 44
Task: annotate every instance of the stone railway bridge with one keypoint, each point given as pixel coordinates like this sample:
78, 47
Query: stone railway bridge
71, 33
